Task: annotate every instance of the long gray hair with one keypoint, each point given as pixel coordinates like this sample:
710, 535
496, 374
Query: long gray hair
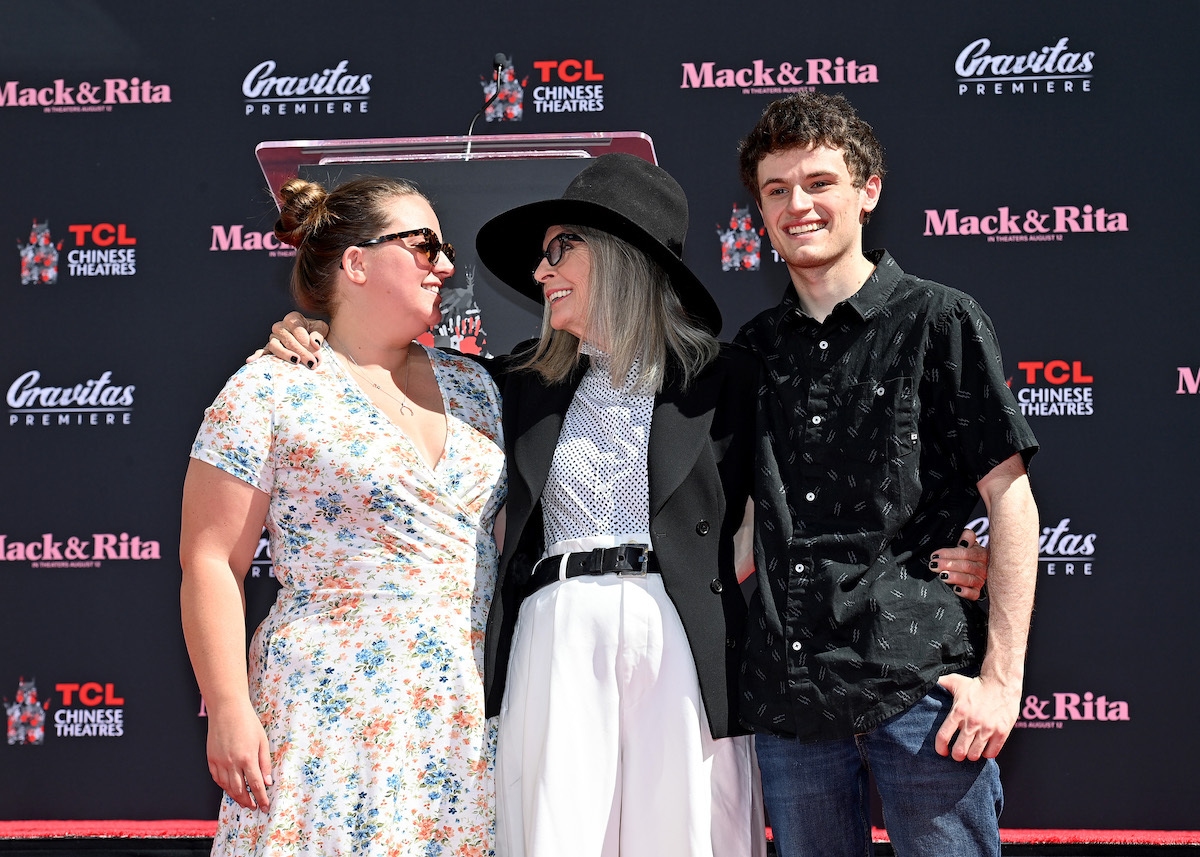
633, 313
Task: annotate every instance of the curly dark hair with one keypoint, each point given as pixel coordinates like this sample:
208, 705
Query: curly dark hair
811, 119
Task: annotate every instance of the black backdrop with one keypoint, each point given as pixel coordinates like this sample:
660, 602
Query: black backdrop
131, 127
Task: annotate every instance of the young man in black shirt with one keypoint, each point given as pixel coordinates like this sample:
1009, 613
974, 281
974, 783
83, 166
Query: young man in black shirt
884, 416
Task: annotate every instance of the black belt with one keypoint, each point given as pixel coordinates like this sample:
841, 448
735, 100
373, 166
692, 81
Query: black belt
626, 560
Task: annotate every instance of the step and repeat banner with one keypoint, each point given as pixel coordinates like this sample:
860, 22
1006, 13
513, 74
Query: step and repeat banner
1040, 158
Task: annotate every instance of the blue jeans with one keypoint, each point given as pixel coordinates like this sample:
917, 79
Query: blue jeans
817, 801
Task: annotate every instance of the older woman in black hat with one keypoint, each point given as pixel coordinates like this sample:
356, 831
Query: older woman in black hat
613, 640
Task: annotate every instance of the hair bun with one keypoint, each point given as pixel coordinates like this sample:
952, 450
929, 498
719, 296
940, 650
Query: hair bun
303, 211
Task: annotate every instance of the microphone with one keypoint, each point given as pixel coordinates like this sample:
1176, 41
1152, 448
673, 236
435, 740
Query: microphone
499, 61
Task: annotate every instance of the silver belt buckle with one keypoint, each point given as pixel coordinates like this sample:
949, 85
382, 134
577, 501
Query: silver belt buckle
645, 561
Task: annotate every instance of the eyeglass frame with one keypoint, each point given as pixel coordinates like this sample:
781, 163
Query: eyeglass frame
558, 241
432, 246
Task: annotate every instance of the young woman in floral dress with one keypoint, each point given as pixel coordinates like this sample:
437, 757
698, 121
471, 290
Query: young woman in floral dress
378, 475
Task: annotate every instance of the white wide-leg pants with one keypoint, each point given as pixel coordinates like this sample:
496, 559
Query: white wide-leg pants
604, 747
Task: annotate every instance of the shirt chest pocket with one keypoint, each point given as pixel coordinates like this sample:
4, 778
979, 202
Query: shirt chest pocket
876, 421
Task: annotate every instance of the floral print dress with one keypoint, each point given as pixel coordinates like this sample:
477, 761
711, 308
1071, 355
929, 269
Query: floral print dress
367, 672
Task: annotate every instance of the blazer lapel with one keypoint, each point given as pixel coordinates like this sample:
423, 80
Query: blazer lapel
541, 413
678, 433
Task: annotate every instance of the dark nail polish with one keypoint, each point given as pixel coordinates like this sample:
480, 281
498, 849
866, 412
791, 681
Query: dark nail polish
945, 575
933, 565
295, 359
309, 364
958, 589
963, 543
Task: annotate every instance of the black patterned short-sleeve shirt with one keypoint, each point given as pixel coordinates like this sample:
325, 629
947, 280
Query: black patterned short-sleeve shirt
874, 427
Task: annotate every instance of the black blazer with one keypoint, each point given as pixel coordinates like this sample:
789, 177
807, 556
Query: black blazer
701, 454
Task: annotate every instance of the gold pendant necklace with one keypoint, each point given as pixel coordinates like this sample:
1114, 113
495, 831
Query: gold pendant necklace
405, 409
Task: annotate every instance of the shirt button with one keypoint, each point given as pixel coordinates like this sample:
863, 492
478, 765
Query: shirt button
816, 420
799, 568
702, 528
810, 496
796, 646
822, 344
717, 587
879, 391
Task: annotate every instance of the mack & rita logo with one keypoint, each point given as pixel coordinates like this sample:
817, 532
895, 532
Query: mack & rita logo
84, 96
758, 78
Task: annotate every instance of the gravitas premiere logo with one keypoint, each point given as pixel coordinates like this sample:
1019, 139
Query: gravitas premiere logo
84, 97
758, 78
1061, 551
1006, 225
329, 91
1050, 70
94, 402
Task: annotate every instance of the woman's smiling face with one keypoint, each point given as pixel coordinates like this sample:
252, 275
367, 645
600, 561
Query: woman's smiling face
566, 286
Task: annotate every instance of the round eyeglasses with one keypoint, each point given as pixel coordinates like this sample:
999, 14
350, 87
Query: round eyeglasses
559, 244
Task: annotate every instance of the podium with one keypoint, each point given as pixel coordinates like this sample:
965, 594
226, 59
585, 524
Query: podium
469, 181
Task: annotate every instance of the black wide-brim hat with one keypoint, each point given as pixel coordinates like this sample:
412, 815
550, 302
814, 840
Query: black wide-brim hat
620, 194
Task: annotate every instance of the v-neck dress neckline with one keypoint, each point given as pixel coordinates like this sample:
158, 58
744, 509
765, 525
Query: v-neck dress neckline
348, 376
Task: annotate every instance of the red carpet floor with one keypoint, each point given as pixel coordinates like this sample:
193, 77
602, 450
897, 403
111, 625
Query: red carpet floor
187, 829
